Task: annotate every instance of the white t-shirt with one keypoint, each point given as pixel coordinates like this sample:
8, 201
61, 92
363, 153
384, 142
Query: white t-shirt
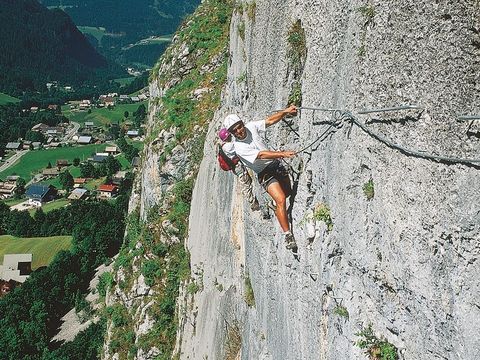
247, 149
229, 149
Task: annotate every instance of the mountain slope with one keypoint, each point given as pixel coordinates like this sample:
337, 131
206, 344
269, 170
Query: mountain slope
388, 242
120, 26
128, 20
39, 45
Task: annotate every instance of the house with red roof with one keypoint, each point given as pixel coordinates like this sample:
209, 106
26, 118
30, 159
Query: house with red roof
107, 191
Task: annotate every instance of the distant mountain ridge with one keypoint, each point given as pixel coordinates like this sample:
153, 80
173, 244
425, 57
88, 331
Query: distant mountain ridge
38, 45
134, 19
127, 22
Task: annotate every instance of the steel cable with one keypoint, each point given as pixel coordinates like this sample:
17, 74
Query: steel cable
341, 115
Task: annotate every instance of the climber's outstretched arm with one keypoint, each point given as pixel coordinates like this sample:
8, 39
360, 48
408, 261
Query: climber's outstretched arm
291, 110
266, 154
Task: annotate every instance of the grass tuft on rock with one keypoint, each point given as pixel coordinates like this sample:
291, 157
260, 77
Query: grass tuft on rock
249, 294
369, 189
375, 348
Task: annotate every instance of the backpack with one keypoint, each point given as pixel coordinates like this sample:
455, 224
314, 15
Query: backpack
224, 161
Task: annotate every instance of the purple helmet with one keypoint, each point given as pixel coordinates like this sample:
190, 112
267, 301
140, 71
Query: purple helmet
223, 134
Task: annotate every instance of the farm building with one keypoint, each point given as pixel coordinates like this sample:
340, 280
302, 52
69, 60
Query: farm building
107, 191
132, 133
79, 182
16, 267
100, 157
113, 150
83, 140
108, 101
40, 127
7, 189
62, 163
40, 193
52, 172
78, 194
13, 146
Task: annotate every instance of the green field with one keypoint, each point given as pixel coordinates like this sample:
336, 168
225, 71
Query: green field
155, 40
136, 144
103, 116
13, 201
123, 161
124, 81
97, 32
90, 185
35, 161
52, 205
6, 99
43, 249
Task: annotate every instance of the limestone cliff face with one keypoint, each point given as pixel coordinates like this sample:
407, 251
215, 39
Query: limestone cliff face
142, 316
385, 239
404, 259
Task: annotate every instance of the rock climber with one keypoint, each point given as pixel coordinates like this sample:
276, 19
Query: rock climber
272, 175
239, 169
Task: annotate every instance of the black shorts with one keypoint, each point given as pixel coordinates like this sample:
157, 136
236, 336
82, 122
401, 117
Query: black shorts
274, 172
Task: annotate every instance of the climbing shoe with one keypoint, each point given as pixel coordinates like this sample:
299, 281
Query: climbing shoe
290, 243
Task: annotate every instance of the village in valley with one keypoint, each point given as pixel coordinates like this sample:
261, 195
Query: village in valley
88, 157
102, 138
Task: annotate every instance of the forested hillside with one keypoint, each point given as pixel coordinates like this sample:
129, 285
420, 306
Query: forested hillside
31, 313
132, 20
126, 22
38, 45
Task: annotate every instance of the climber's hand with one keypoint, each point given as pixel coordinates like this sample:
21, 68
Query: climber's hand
288, 154
291, 110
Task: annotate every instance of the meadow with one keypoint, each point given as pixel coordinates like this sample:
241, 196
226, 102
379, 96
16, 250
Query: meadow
52, 205
6, 99
34, 161
124, 81
43, 249
97, 32
103, 116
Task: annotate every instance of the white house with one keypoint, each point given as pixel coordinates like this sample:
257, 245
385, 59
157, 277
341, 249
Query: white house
16, 267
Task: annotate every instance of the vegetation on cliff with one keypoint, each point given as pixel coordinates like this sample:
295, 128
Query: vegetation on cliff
191, 75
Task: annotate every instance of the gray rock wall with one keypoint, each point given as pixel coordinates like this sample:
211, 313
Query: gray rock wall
404, 261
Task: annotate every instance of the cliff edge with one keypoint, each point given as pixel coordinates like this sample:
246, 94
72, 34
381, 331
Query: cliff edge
388, 238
